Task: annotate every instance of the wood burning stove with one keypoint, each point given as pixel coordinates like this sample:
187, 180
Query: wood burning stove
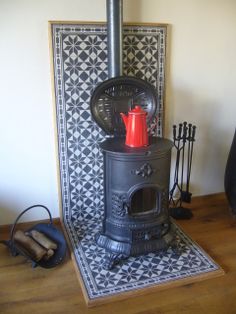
136, 185
136, 180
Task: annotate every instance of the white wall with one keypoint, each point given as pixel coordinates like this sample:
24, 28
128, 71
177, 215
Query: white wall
200, 88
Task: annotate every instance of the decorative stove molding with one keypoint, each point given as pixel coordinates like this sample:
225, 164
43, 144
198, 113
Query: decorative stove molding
144, 171
119, 204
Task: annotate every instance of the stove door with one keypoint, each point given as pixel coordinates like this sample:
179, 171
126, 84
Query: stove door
147, 200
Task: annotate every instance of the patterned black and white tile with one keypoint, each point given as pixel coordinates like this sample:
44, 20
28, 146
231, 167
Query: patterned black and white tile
80, 63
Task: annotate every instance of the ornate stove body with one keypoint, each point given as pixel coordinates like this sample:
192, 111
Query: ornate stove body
136, 186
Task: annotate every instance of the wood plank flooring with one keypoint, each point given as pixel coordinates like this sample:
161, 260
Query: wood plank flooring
26, 290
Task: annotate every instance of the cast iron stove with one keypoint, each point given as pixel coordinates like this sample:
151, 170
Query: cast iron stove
136, 180
136, 187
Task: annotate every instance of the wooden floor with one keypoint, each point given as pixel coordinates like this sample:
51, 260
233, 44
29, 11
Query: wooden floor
26, 290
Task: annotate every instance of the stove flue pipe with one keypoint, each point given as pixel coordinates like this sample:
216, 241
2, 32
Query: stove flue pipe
115, 37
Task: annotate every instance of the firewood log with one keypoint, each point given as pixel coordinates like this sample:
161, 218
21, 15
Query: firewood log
49, 254
34, 250
42, 239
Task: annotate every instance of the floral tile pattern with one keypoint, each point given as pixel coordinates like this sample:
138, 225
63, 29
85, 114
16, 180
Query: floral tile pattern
137, 272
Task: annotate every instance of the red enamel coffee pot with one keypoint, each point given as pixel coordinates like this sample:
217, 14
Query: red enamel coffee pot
136, 127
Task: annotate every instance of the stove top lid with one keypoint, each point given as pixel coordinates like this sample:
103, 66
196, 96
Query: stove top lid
117, 146
121, 94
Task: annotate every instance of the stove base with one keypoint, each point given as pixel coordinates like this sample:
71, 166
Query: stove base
117, 250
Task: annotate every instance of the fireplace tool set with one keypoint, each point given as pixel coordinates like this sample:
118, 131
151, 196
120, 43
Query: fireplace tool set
183, 137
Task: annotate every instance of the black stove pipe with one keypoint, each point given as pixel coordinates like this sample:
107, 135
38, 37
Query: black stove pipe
115, 37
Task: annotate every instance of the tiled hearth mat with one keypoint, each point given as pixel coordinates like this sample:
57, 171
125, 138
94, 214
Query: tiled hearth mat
79, 60
135, 274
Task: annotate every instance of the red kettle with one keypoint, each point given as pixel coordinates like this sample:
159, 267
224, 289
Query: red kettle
136, 127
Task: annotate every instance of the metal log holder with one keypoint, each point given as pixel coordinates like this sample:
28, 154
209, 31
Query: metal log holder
184, 138
49, 230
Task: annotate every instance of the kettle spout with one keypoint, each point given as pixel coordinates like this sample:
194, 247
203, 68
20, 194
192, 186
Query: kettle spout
125, 119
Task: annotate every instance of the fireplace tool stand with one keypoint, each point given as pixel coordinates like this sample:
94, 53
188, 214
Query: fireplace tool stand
183, 139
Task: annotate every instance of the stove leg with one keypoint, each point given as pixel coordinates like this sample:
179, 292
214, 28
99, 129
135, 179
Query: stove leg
176, 247
111, 260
